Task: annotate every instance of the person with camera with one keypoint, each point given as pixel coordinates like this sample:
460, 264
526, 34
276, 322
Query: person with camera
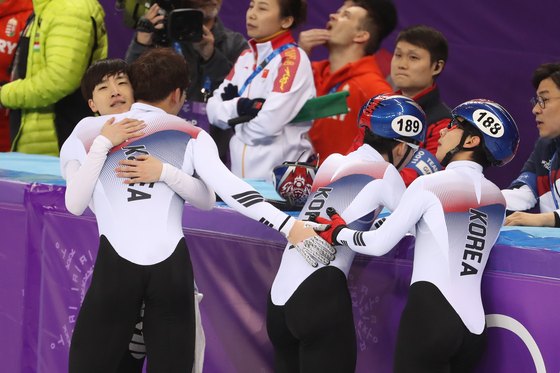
209, 59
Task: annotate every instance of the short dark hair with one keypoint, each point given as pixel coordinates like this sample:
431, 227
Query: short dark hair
479, 153
383, 145
294, 8
99, 70
545, 71
380, 21
427, 38
157, 73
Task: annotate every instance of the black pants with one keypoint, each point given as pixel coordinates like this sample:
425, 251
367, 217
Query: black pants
110, 310
432, 337
221, 138
314, 330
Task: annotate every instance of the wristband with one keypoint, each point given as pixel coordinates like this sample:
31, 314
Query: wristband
144, 25
424, 163
556, 219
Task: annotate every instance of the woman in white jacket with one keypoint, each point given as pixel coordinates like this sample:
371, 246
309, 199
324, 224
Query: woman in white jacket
268, 85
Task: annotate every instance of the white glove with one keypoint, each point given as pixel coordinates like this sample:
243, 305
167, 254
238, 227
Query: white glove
315, 250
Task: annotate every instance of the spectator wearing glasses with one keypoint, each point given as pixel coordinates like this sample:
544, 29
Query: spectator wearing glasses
539, 178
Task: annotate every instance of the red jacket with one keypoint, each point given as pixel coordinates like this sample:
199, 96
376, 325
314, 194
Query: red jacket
13, 16
362, 79
438, 116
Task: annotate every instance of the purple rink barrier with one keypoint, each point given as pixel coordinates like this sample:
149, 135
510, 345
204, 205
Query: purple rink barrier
47, 256
13, 252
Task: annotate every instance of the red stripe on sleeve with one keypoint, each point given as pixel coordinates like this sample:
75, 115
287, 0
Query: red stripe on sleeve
287, 70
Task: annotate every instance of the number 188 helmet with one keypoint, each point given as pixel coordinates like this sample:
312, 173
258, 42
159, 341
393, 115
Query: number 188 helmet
498, 129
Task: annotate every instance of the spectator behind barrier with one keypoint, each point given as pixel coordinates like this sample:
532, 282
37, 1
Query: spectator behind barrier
418, 60
44, 98
263, 97
209, 60
539, 178
352, 35
13, 16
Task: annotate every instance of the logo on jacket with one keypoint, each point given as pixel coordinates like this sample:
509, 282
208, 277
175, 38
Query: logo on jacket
11, 27
285, 79
287, 71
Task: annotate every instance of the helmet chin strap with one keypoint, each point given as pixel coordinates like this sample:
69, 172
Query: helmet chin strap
398, 166
445, 161
390, 157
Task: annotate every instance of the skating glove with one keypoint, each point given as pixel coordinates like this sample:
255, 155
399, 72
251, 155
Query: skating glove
336, 224
315, 250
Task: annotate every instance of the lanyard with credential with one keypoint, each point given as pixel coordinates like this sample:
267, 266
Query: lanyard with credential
551, 175
259, 68
335, 88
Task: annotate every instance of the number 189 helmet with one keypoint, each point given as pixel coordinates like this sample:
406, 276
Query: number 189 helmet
394, 117
498, 129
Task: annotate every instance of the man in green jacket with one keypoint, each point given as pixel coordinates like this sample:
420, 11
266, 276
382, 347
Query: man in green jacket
57, 46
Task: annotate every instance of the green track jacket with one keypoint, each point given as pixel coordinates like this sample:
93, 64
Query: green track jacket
61, 42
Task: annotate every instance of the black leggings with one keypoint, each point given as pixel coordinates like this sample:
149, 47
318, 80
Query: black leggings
432, 337
314, 330
111, 306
